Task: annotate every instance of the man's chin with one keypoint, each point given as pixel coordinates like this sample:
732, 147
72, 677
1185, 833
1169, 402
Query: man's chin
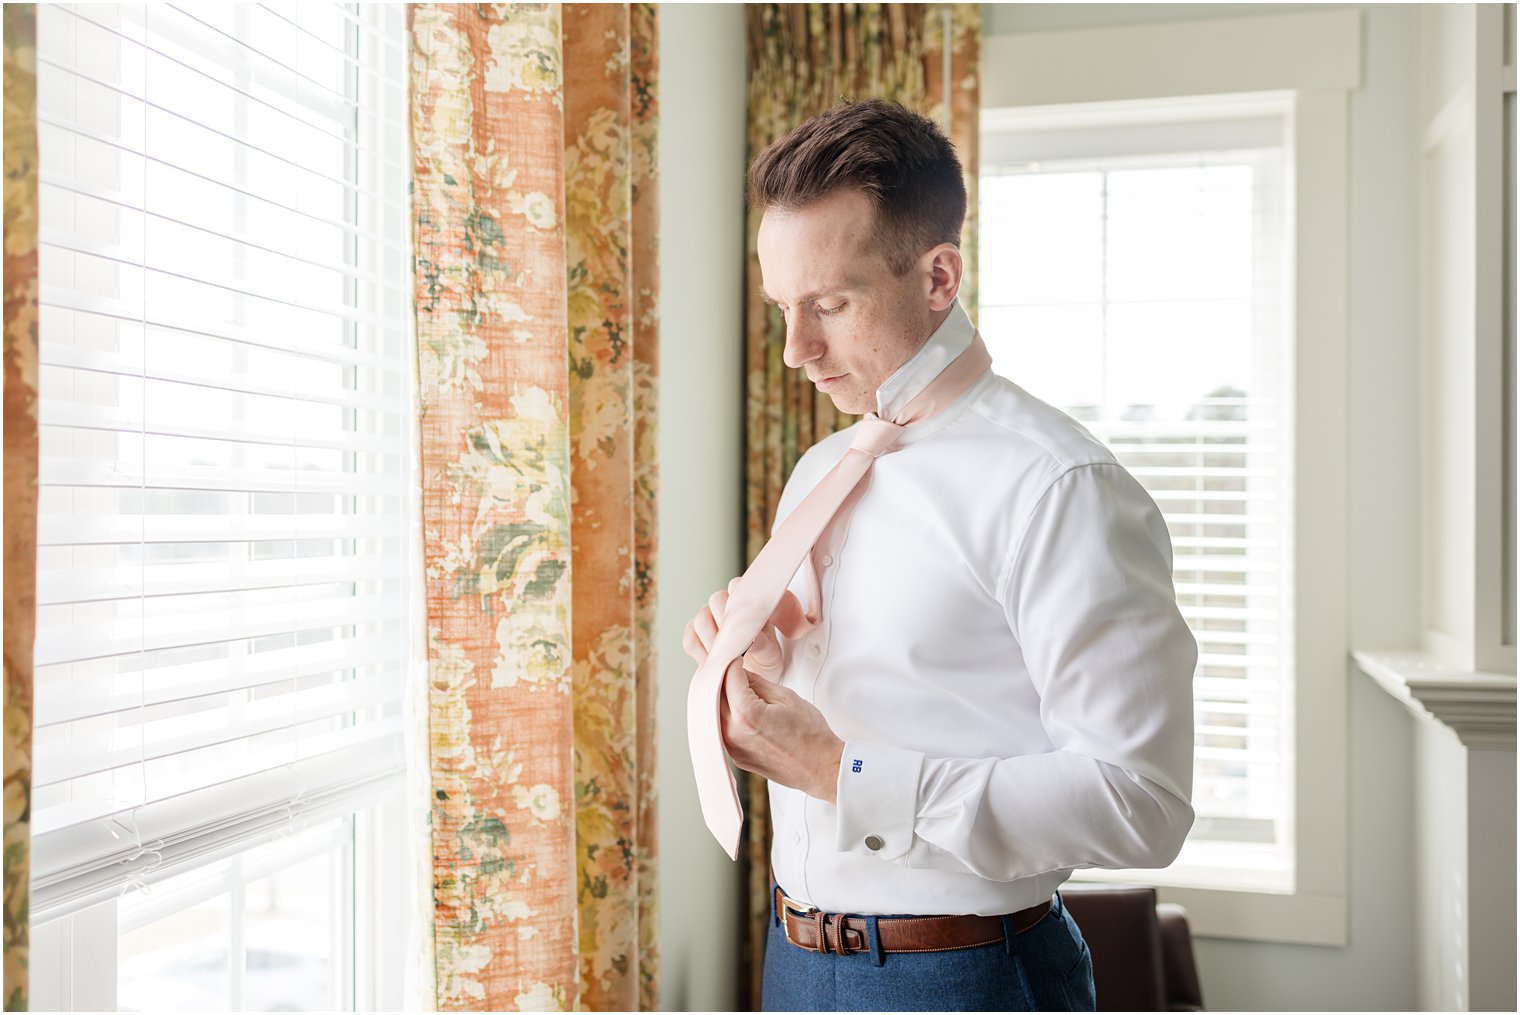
844, 404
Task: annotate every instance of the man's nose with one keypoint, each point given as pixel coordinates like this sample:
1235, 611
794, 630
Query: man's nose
803, 343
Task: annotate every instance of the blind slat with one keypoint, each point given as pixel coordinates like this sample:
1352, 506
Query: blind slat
212, 290
100, 639
82, 859
98, 584
157, 739
64, 700
129, 312
80, 243
64, 415
56, 530
64, 472
134, 201
130, 366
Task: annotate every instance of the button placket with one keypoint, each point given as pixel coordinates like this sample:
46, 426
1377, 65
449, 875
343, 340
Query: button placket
827, 580
818, 639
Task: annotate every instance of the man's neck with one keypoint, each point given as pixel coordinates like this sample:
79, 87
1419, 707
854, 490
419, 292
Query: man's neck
949, 336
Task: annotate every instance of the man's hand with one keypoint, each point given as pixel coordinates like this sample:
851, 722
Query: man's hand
763, 657
772, 731
768, 729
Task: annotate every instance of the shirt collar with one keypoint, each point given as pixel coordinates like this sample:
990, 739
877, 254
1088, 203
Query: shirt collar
949, 340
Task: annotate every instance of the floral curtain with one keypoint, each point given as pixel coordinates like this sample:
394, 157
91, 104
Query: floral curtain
20, 479
534, 177
803, 59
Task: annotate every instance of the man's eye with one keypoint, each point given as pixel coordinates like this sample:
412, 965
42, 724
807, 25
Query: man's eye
828, 311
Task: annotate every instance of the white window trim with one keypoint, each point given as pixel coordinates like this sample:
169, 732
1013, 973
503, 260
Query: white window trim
74, 952
74, 963
1312, 61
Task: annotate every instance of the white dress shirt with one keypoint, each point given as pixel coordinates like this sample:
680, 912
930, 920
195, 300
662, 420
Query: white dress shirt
1001, 652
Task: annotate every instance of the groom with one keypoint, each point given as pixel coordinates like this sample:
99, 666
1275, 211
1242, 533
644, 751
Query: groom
998, 687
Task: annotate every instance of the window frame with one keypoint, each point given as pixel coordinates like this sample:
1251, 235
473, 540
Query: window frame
1150, 138
74, 957
74, 954
1308, 63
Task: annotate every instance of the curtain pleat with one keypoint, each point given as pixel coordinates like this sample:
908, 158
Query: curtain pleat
644, 324
804, 59
534, 201
20, 600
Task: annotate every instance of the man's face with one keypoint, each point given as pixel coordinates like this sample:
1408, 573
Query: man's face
850, 323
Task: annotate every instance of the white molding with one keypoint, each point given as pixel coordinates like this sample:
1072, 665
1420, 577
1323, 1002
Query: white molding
1319, 428
1133, 112
1455, 113
1478, 707
1309, 52
1489, 649
73, 961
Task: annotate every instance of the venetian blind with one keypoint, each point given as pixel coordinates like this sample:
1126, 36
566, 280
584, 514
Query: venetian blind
1139, 287
225, 401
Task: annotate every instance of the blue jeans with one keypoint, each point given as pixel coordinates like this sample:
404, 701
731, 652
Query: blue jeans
1045, 968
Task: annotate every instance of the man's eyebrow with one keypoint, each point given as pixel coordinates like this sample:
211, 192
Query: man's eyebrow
816, 294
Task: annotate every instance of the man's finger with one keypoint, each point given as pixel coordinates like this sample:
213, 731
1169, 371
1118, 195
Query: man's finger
692, 644
736, 690
764, 655
769, 691
705, 628
716, 602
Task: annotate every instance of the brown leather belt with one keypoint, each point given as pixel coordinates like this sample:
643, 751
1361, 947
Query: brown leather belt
818, 931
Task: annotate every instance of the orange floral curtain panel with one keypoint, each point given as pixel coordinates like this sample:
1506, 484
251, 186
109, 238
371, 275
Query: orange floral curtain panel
20, 479
803, 59
534, 198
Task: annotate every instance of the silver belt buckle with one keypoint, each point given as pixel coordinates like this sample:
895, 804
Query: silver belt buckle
797, 909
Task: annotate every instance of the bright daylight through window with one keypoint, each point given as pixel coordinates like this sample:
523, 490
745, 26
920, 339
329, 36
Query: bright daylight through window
224, 508
1144, 295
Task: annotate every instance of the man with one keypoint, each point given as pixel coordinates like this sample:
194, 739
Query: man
998, 690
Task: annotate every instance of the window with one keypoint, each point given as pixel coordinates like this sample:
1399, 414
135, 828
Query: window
258, 931
1133, 276
224, 503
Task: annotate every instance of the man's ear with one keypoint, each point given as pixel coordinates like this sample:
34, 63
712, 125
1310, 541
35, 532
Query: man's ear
942, 267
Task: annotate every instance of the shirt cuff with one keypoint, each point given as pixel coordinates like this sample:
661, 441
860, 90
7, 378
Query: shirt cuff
877, 800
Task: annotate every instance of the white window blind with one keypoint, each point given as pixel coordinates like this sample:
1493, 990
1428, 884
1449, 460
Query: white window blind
225, 413
1141, 289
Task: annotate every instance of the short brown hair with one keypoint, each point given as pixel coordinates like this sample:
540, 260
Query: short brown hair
899, 159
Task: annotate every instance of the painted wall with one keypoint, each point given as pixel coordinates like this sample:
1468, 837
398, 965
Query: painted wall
701, 278
1377, 968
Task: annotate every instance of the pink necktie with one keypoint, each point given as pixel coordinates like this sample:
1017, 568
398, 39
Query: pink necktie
761, 595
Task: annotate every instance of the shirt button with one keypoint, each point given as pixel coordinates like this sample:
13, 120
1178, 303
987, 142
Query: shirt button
815, 650
873, 842
795, 837
827, 560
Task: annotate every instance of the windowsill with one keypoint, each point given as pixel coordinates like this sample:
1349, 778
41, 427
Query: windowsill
1241, 891
1479, 707
1218, 909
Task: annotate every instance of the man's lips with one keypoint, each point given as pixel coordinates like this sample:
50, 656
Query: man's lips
826, 381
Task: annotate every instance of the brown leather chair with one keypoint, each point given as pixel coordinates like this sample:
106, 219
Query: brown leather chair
1142, 951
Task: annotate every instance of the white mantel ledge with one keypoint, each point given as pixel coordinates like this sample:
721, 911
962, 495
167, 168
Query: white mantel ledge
1479, 707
